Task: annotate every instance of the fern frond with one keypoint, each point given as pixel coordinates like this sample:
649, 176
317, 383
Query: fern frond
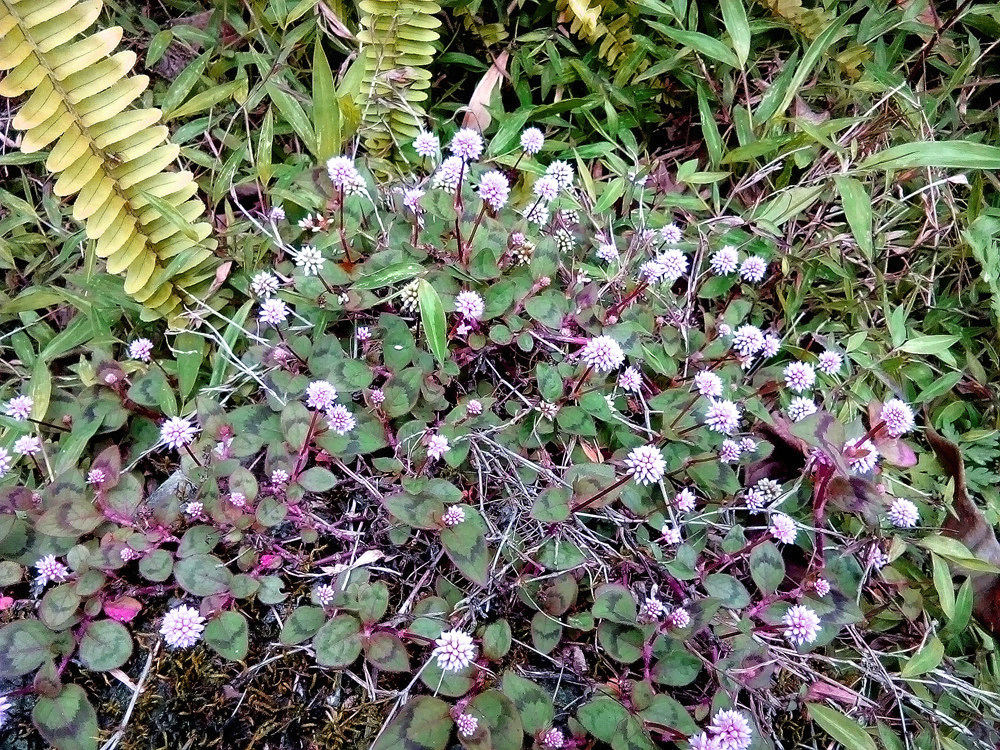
810, 22
111, 156
397, 46
613, 39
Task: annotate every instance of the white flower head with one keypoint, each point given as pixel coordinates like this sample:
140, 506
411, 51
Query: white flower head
437, 446
340, 419
724, 261
27, 445
546, 188
708, 384
264, 284
449, 174
453, 516
182, 627
903, 513
753, 269
19, 407
783, 528
426, 144
532, 141
466, 144
799, 376
671, 234
320, 395
748, 340
455, 650
674, 263
562, 172
646, 464
177, 432
273, 311
723, 416
630, 379
830, 362
50, 569
494, 189
898, 417
470, 305
603, 354
800, 407
731, 729
140, 349
310, 260
801, 624
343, 173
685, 500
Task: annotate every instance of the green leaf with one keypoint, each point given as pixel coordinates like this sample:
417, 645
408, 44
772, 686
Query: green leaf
812, 56
497, 640
615, 602
317, 479
338, 643
943, 154
105, 645
386, 651
858, 211
734, 15
936, 344
926, 659
229, 636
465, 544
956, 552
545, 632
841, 727
767, 567
202, 575
292, 111
500, 714
388, 276
190, 349
326, 110
24, 647
706, 45
532, 702
424, 723
68, 721
433, 320
302, 625
944, 586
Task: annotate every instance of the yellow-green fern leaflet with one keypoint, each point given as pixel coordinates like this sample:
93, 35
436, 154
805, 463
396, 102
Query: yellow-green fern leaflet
111, 156
397, 46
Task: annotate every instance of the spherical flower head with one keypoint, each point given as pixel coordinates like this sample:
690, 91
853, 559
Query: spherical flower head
675, 264
724, 261
19, 408
652, 271
466, 144
27, 445
800, 408
546, 188
140, 349
753, 269
280, 477
748, 445
645, 464
128, 554
801, 624
685, 500
769, 488
455, 650
320, 395
671, 234
182, 627
748, 340
772, 345
342, 171
5, 462
97, 476
364, 333
562, 172
799, 376
730, 451
830, 362
731, 730
194, 509
237, 499
608, 253
603, 354
308, 223
264, 284
411, 199
449, 174
50, 569
553, 739
474, 407
703, 742
671, 535
754, 499
898, 417
340, 419
273, 311
453, 516
708, 384
494, 189
821, 586
723, 416
538, 213
877, 557
678, 618
725, 330
903, 514
532, 141
426, 144
177, 432
470, 305
548, 410
325, 594
862, 457
437, 446
377, 396
275, 214
783, 528
630, 379
467, 725
310, 260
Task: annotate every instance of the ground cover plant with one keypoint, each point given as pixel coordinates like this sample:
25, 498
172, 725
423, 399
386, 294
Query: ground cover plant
505, 432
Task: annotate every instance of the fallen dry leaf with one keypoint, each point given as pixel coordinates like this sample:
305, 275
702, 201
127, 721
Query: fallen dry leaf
476, 114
